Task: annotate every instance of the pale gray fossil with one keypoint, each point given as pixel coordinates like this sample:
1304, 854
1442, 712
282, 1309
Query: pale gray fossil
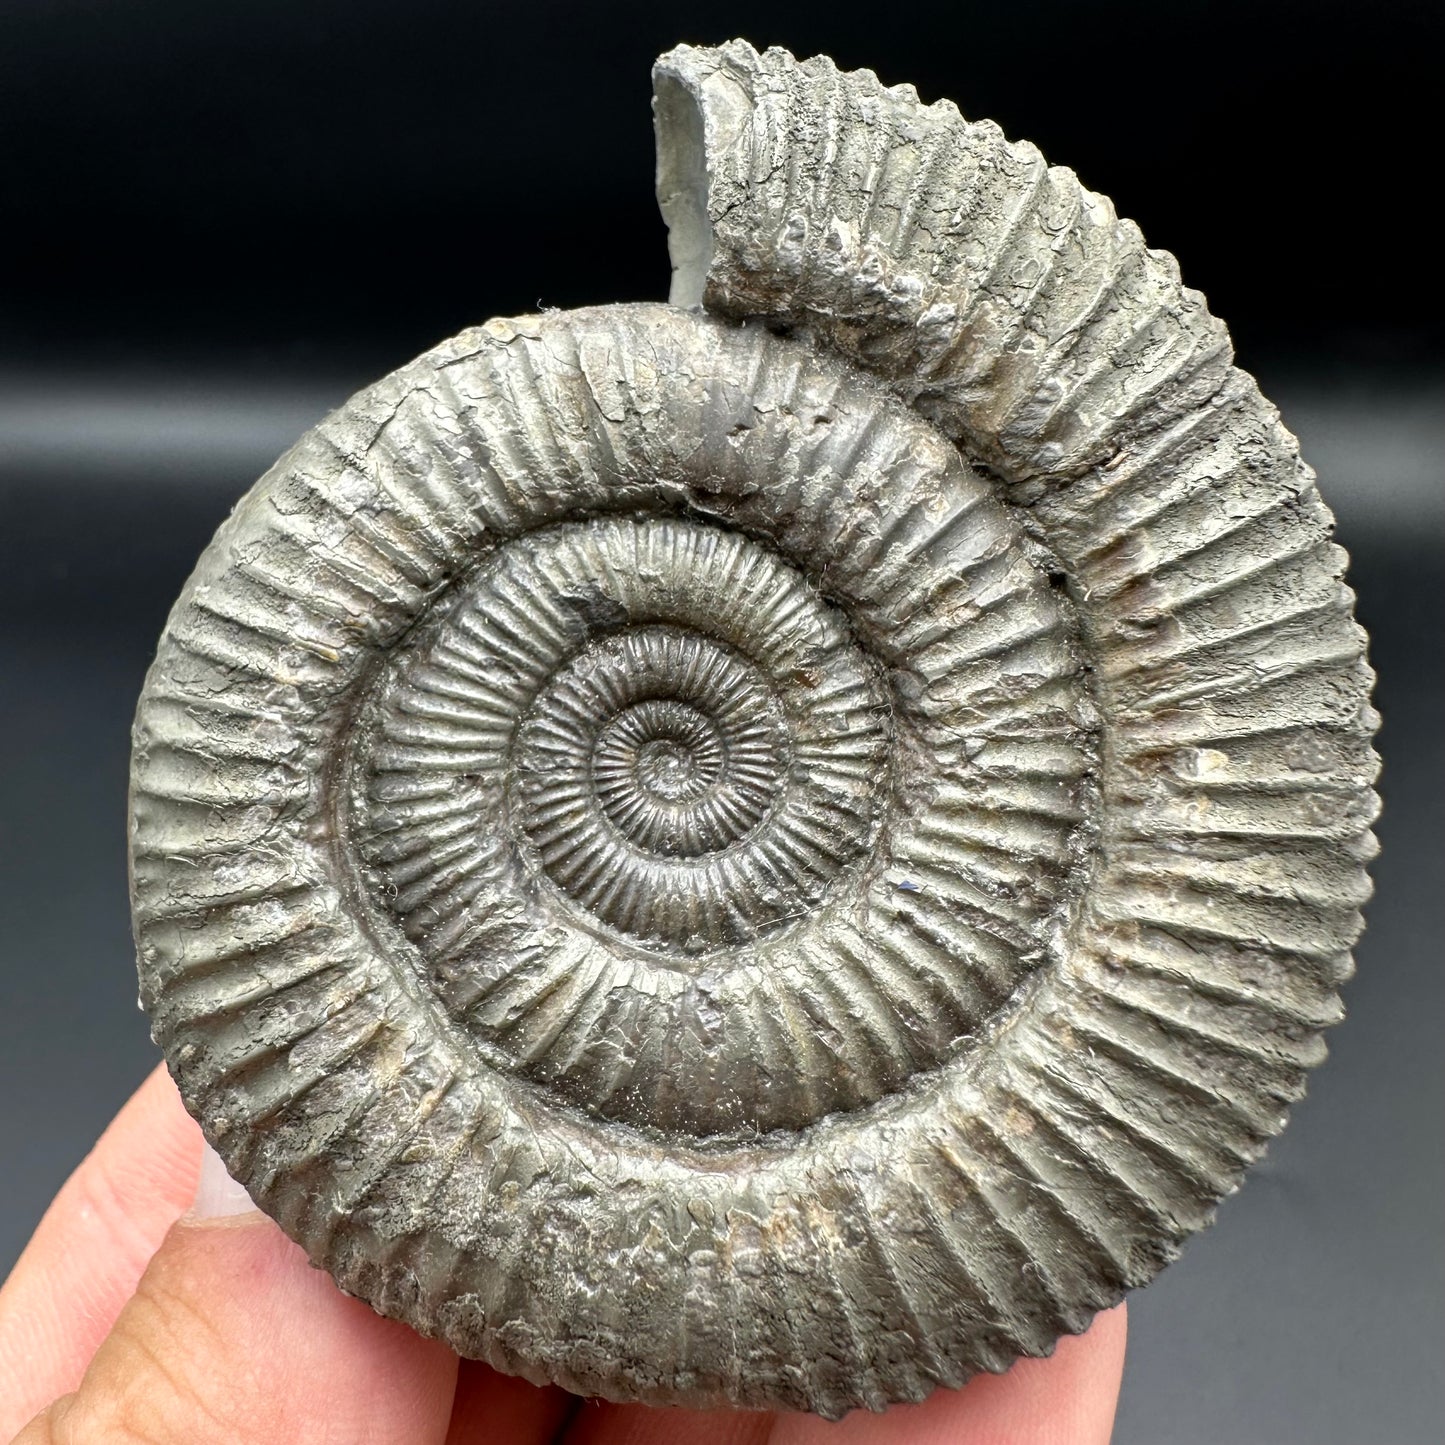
784, 848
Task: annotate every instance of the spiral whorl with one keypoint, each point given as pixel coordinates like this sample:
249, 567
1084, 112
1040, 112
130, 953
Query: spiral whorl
719, 867
660, 816
693, 745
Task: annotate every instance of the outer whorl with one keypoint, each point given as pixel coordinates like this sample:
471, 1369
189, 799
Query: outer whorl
717, 867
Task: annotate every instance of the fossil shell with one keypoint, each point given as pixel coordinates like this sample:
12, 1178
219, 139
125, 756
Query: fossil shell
711, 866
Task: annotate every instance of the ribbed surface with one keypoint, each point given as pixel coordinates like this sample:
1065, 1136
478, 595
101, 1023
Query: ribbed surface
1002, 298
654, 869
1012, 307
692, 780
434, 942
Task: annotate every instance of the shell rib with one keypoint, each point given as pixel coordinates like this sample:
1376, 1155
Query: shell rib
1010, 305
713, 867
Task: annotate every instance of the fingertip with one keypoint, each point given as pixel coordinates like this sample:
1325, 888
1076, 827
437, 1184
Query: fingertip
198, 1309
1068, 1398
229, 1301
87, 1253
491, 1407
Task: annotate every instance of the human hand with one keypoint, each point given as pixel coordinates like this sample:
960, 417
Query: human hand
141, 1323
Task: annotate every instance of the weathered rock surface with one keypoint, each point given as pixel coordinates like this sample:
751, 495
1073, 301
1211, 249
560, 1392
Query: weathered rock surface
716, 866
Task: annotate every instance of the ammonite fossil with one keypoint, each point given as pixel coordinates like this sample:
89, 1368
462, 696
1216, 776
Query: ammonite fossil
783, 848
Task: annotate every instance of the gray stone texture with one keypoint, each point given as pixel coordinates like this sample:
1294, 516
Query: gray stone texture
781, 849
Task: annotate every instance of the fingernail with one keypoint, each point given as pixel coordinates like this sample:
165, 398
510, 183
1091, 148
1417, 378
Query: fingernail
218, 1196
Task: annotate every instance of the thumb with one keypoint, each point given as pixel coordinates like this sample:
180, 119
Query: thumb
232, 1337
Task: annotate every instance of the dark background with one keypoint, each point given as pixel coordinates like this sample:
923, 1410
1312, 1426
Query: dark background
221, 219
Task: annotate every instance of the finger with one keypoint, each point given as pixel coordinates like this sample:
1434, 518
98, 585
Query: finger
1068, 1399
91, 1248
232, 1336
496, 1409
601, 1423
